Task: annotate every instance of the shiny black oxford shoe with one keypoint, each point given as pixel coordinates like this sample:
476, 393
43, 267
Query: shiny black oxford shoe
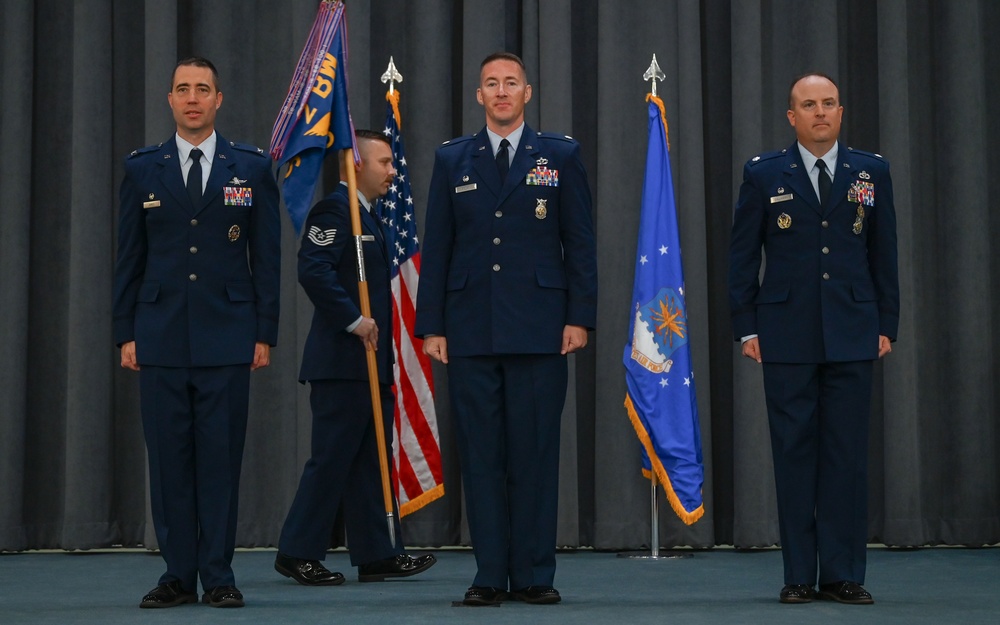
306, 572
400, 566
539, 595
484, 595
223, 597
167, 596
797, 593
845, 592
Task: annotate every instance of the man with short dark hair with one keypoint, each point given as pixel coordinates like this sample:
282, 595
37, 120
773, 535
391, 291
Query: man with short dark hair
826, 309
344, 466
508, 288
195, 310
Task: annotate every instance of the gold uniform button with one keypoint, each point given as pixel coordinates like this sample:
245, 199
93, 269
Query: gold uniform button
194, 250
826, 250
496, 241
192, 277
826, 276
496, 267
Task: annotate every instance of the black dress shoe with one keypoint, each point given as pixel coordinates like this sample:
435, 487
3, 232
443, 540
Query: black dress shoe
168, 595
223, 597
797, 593
537, 594
400, 566
306, 572
845, 592
484, 595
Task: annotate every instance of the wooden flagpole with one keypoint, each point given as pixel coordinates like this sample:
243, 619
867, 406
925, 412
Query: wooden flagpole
366, 310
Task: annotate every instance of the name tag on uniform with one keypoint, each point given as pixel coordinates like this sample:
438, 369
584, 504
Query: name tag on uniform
781, 198
367, 237
465, 187
152, 204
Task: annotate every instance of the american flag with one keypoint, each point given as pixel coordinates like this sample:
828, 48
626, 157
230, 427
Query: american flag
416, 448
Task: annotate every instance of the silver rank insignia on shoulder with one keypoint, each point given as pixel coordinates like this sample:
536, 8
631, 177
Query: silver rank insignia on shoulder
784, 221
541, 212
234, 233
755, 159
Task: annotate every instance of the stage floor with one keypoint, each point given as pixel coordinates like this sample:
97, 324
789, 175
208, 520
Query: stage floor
931, 585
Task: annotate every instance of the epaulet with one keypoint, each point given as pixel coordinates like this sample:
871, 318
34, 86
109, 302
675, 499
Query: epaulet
246, 147
553, 135
868, 154
760, 158
148, 148
458, 140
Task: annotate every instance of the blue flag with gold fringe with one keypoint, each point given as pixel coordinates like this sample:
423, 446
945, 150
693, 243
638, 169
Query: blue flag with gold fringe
315, 118
661, 399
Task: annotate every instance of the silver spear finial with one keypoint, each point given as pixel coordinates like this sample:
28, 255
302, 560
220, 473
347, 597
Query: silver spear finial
392, 76
653, 74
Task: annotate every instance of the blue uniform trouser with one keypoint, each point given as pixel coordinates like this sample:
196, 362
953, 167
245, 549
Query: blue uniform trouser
195, 423
344, 467
507, 412
819, 416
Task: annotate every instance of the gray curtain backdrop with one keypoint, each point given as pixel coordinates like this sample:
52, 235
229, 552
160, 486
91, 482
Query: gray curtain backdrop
85, 82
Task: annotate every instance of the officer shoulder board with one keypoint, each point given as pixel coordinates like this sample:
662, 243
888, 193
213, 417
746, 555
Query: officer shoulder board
245, 147
553, 135
871, 155
145, 150
458, 140
760, 158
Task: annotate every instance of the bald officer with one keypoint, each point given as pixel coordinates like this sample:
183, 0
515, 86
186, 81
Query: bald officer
826, 309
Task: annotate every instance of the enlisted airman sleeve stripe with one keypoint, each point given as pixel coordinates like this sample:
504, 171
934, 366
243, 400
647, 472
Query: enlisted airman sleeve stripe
321, 237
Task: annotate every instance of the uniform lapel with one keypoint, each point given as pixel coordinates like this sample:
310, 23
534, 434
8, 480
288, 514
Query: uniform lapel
372, 224
221, 172
797, 176
842, 179
524, 159
170, 174
484, 162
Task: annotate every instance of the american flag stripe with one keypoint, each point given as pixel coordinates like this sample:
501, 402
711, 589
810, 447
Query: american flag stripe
418, 476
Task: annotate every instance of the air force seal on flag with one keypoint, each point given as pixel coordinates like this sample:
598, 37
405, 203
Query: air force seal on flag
660, 330
321, 237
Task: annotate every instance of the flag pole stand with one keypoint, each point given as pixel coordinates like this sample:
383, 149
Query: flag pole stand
654, 552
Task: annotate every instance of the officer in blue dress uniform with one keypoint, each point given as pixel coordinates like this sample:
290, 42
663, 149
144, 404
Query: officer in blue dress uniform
344, 466
195, 310
508, 287
826, 308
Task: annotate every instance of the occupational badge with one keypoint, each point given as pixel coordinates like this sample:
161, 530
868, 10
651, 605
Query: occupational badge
236, 181
238, 196
784, 221
540, 210
234, 233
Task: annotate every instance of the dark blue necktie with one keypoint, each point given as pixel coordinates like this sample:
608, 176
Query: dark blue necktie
824, 183
194, 178
503, 161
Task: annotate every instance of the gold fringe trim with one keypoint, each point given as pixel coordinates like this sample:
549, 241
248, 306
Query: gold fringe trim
689, 518
413, 505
